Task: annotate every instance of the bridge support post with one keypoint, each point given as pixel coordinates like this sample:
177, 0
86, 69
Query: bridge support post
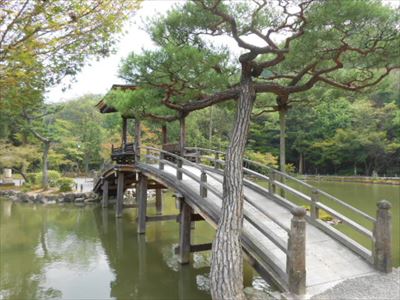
382, 249
120, 194
104, 202
184, 232
159, 199
296, 255
142, 202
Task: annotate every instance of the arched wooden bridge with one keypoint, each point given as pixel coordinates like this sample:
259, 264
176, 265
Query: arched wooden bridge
295, 249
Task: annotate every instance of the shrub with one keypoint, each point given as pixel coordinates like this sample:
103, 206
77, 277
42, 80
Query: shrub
65, 184
36, 178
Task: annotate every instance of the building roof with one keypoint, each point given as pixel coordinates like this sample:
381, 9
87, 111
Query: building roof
103, 107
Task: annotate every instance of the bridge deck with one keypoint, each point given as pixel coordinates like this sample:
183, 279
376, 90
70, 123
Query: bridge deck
328, 262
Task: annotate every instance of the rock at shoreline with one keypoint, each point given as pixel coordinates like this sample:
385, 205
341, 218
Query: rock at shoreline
78, 198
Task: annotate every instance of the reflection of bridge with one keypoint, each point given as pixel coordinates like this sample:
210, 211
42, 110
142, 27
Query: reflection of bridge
296, 249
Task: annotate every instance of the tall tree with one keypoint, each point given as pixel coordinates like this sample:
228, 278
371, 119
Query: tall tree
40, 123
59, 35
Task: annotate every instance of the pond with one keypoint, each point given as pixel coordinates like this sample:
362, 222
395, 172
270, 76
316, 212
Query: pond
69, 252
363, 196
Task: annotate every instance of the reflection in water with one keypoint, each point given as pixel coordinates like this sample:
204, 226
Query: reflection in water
62, 251
139, 262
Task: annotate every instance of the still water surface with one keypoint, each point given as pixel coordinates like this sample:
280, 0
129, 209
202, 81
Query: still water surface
69, 252
53, 252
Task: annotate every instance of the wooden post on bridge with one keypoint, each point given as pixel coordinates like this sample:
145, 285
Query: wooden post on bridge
296, 253
138, 139
271, 184
179, 169
314, 210
159, 200
142, 203
160, 163
382, 248
120, 194
184, 231
104, 202
216, 164
203, 182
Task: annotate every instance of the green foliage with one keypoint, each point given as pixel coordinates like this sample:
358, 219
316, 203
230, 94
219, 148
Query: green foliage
54, 176
56, 36
65, 184
266, 159
20, 158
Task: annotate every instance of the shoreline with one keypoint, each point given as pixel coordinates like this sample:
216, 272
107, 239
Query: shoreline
50, 198
352, 179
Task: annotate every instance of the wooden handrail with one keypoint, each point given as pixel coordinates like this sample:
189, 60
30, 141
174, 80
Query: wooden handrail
205, 186
273, 179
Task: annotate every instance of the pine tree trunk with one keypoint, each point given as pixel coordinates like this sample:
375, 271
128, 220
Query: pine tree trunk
45, 175
282, 139
227, 258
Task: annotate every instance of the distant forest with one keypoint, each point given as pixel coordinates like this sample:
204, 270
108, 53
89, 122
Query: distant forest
330, 132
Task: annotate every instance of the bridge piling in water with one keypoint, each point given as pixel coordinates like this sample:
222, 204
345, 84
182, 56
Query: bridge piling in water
184, 231
382, 250
120, 195
159, 200
104, 202
142, 203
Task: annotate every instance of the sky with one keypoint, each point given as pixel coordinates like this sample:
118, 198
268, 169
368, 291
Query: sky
98, 76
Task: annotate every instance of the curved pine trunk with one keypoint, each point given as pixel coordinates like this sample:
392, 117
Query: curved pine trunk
227, 258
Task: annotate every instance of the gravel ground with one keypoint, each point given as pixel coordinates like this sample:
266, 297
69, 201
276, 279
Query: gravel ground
382, 287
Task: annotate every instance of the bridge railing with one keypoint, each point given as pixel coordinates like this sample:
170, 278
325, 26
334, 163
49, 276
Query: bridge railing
290, 191
293, 247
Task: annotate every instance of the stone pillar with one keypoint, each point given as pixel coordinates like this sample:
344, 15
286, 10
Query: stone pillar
120, 194
184, 232
382, 250
159, 199
104, 202
296, 253
142, 203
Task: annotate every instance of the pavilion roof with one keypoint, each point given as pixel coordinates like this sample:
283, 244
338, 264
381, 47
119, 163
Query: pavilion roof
103, 107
